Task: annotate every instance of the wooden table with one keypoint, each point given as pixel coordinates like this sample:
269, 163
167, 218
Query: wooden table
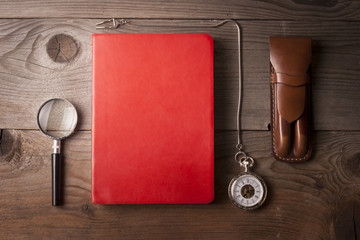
45, 52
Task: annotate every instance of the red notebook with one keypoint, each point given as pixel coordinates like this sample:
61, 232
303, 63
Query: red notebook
152, 119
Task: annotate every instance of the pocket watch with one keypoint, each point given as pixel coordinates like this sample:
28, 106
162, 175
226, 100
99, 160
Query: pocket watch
247, 190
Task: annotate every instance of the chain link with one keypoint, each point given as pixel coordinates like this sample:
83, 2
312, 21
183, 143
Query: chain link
114, 23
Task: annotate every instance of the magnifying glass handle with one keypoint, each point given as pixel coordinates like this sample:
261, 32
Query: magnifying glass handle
55, 175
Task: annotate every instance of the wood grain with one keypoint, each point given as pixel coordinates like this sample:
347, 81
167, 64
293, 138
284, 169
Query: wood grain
319, 199
245, 9
29, 76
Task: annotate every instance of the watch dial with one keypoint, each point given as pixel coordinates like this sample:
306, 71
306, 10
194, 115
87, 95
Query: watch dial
247, 191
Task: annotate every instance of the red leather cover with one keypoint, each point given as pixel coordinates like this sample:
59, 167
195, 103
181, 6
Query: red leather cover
152, 119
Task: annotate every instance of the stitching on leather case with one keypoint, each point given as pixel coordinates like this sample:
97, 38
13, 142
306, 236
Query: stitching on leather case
273, 132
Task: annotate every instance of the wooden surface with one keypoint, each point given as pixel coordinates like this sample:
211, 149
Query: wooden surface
30, 76
45, 52
244, 9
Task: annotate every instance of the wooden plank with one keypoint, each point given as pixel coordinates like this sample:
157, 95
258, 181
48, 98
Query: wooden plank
318, 199
245, 9
29, 76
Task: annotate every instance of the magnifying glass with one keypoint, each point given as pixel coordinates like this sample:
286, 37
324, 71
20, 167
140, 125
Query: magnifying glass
57, 119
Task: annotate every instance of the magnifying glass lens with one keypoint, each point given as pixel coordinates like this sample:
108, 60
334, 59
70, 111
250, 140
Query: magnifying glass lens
57, 118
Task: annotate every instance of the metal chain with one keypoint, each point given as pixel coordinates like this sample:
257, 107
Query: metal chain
245, 160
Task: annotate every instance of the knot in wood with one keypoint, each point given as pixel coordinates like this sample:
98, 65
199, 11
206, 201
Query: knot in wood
10, 147
62, 48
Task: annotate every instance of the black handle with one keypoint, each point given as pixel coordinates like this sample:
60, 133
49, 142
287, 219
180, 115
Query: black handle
55, 175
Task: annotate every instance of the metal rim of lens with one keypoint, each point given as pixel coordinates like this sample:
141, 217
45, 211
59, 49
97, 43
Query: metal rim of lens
38, 113
231, 197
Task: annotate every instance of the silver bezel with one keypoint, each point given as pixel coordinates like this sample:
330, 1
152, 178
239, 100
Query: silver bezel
44, 132
232, 199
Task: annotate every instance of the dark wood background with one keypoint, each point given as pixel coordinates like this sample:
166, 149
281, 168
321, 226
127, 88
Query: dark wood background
45, 52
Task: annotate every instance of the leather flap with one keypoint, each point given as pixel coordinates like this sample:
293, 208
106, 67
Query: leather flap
291, 101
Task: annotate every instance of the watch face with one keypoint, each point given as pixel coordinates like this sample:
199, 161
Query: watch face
247, 191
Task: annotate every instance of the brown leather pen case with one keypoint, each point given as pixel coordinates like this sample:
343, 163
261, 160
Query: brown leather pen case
290, 59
